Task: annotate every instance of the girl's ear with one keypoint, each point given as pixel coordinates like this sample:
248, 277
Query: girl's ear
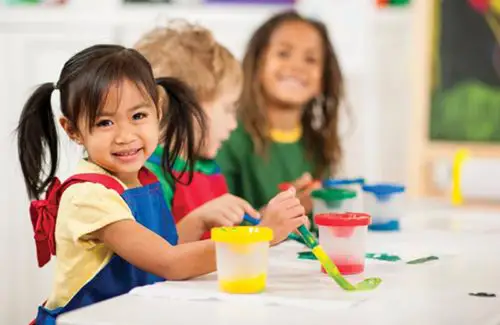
70, 130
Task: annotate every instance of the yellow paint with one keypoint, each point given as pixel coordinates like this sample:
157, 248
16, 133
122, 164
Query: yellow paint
241, 234
244, 285
456, 192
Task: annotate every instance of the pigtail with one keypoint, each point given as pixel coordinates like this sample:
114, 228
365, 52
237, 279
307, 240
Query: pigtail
184, 123
36, 132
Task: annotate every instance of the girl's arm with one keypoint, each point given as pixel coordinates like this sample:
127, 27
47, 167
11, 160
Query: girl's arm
149, 252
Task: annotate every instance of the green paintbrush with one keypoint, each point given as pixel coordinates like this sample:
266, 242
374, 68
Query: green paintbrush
331, 268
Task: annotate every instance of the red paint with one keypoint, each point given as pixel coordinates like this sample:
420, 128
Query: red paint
348, 269
347, 266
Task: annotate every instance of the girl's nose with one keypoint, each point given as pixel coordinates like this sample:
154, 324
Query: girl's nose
125, 134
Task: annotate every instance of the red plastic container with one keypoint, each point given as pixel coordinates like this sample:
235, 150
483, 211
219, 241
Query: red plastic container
343, 237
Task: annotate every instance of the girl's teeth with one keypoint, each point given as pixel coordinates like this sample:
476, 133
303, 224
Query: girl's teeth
291, 81
126, 153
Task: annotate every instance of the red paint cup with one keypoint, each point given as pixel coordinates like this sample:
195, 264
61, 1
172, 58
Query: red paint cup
343, 237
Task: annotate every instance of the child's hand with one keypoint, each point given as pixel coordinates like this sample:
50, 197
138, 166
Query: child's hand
225, 211
283, 214
304, 186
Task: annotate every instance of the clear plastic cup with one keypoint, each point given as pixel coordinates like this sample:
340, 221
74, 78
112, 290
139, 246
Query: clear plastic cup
352, 184
242, 255
384, 202
343, 237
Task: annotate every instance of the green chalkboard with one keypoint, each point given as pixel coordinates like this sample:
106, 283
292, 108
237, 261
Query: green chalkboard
465, 93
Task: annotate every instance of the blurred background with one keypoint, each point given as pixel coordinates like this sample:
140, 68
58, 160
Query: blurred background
385, 54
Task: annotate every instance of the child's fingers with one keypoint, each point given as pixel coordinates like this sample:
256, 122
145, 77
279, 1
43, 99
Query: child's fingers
236, 213
296, 211
232, 217
247, 208
285, 195
312, 187
315, 186
251, 211
297, 222
225, 221
303, 181
288, 203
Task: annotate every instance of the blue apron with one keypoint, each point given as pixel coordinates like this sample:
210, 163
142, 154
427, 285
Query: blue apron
118, 276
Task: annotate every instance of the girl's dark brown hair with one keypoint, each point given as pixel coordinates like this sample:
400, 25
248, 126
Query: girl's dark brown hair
323, 143
84, 83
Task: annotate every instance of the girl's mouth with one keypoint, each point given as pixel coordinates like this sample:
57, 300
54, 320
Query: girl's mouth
127, 155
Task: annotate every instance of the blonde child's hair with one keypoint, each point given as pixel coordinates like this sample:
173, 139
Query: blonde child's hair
191, 53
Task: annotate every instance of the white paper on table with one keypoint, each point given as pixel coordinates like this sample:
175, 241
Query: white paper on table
292, 284
412, 245
455, 220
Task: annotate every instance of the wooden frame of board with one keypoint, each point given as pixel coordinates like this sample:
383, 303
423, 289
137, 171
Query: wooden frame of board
425, 152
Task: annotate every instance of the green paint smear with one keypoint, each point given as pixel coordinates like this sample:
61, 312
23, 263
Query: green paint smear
381, 257
423, 260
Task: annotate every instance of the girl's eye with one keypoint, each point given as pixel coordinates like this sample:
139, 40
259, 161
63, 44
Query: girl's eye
139, 116
283, 54
311, 60
104, 123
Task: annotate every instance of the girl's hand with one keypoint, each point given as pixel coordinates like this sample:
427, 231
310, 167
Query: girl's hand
283, 214
304, 186
224, 211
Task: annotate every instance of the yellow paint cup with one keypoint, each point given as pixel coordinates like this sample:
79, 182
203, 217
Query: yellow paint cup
242, 258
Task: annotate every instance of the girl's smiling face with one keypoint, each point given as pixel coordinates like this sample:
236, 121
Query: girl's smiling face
124, 134
291, 74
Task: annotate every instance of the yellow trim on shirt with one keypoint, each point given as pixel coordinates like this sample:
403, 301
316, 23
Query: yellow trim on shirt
283, 136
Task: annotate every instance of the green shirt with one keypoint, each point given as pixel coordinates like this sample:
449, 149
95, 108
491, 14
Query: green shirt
254, 177
167, 183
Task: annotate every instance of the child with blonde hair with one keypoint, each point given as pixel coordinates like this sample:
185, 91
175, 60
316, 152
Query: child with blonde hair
191, 53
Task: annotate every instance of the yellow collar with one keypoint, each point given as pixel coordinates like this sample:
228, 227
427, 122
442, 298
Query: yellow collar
286, 136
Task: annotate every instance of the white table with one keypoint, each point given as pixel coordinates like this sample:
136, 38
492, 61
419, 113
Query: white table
430, 293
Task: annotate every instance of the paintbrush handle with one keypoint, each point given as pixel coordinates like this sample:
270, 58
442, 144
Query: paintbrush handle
251, 220
309, 238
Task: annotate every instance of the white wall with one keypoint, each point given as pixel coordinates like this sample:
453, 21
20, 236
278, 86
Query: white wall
373, 49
